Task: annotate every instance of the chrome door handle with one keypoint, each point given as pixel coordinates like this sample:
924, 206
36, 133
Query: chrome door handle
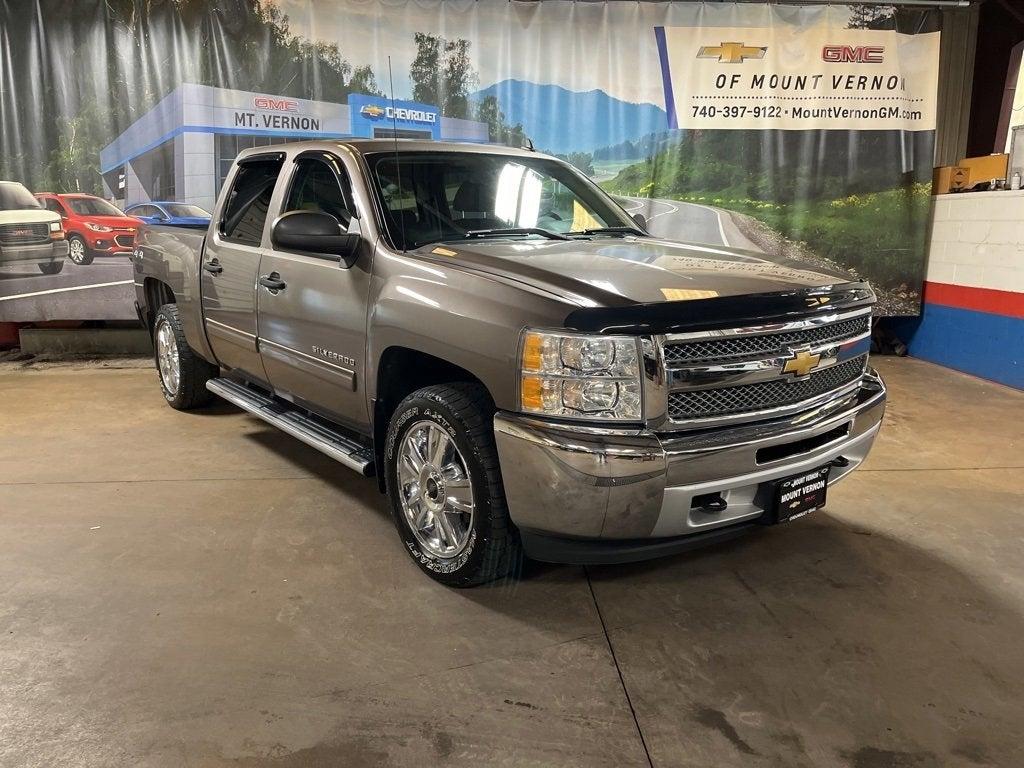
213, 267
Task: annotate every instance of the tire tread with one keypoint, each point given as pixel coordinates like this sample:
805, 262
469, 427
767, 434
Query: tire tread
195, 371
471, 404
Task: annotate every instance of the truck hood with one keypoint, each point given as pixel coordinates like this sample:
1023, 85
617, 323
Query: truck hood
653, 285
27, 216
617, 272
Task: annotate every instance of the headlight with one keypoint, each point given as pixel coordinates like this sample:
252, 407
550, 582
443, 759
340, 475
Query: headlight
580, 377
55, 226
97, 227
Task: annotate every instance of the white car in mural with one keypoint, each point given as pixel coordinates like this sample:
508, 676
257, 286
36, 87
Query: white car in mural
29, 234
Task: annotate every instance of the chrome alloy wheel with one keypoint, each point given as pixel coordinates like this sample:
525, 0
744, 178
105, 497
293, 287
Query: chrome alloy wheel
76, 249
167, 357
435, 490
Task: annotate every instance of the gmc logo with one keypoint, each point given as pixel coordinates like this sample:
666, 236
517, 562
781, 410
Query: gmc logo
275, 105
861, 54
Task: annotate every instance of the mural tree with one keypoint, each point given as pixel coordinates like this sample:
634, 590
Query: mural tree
442, 74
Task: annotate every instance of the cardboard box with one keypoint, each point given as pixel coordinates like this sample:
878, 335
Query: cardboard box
981, 170
942, 178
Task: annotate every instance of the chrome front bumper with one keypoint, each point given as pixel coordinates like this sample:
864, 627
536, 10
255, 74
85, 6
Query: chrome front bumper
607, 485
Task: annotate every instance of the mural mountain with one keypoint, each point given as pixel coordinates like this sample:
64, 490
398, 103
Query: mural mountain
544, 110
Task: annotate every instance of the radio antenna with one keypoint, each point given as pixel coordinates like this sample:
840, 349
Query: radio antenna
394, 137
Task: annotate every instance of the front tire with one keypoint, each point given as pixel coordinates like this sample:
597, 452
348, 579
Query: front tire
53, 268
78, 251
182, 373
444, 486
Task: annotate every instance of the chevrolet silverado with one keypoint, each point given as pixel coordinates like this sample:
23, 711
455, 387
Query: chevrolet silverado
521, 365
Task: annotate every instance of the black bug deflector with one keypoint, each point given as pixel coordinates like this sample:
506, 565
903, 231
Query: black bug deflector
721, 312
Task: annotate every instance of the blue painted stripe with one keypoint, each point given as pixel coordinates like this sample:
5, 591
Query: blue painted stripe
245, 132
984, 344
223, 131
666, 77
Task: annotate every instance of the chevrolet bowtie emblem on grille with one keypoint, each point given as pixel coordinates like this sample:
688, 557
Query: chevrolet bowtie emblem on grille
732, 53
802, 363
817, 301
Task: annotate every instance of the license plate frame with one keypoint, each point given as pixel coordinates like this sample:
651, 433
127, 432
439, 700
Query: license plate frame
798, 495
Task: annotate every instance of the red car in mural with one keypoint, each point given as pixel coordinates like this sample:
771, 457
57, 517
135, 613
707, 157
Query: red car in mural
94, 227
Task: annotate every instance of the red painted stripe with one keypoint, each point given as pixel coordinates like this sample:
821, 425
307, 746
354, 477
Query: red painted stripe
1006, 303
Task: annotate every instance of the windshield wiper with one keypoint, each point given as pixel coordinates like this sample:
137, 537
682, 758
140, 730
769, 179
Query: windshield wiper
608, 231
516, 231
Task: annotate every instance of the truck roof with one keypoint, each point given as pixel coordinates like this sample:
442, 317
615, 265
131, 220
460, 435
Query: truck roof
370, 146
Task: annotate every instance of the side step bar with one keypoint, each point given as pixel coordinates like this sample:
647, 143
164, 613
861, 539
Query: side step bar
311, 431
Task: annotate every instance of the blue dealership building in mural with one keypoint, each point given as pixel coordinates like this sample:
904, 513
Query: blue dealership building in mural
182, 148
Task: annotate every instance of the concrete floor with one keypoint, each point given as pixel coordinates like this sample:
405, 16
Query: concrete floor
199, 590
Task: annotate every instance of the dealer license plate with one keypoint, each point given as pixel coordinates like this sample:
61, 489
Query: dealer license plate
802, 494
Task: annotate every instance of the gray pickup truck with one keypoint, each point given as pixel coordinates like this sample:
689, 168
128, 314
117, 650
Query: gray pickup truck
523, 368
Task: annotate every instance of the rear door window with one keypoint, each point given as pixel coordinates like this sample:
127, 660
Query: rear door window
248, 202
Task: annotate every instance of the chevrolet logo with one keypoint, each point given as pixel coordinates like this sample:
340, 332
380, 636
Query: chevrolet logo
802, 363
371, 111
731, 53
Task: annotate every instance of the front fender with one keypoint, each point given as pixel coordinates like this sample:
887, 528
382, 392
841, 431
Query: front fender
468, 319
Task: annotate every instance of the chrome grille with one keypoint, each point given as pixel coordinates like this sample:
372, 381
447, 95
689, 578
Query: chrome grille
730, 348
34, 233
709, 403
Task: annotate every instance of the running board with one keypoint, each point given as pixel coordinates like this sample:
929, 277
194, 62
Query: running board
312, 432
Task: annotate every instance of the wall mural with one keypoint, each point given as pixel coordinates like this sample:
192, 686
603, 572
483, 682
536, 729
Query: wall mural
802, 135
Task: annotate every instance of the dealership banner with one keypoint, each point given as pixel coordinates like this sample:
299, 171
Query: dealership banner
801, 135
799, 78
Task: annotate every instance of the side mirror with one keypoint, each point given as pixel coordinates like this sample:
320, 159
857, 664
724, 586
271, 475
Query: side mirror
640, 221
317, 233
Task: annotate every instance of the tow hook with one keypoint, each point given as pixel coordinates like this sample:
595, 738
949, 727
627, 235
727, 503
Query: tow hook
840, 461
709, 502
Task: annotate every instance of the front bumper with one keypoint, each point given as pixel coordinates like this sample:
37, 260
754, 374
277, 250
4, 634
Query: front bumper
580, 494
110, 243
43, 253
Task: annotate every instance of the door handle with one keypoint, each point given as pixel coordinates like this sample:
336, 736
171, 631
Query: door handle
213, 267
272, 282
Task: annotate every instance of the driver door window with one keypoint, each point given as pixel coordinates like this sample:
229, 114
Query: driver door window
320, 185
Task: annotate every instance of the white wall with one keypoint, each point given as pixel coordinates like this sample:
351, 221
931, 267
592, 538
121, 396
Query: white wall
977, 240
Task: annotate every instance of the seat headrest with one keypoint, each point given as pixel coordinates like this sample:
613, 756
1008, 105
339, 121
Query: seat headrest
472, 196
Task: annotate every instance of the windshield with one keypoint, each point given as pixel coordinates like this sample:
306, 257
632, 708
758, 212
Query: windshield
14, 197
182, 210
91, 206
431, 197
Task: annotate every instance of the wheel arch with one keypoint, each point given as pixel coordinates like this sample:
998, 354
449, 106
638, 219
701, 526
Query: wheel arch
157, 293
400, 372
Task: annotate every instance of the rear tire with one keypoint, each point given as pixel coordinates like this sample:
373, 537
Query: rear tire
53, 268
444, 486
183, 374
78, 251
